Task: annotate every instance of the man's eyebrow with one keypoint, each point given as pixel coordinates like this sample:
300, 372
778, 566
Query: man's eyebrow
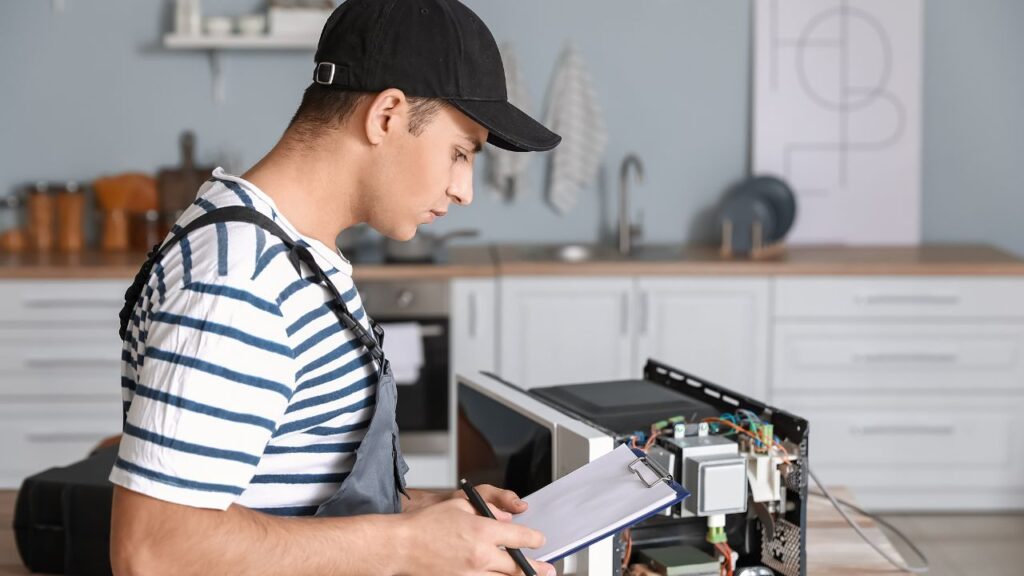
477, 145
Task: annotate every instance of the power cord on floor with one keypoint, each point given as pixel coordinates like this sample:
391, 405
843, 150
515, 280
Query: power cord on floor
840, 504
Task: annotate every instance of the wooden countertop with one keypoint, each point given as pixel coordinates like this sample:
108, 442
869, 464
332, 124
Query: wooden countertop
929, 260
833, 549
93, 264
530, 260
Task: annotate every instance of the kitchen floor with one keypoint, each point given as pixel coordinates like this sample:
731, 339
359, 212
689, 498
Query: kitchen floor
965, 545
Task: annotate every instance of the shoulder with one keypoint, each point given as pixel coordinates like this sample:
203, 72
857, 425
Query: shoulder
238, 255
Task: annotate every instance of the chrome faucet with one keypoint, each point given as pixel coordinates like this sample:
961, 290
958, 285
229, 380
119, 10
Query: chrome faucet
628, 230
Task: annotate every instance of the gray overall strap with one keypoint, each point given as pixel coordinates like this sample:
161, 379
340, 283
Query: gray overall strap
296, 253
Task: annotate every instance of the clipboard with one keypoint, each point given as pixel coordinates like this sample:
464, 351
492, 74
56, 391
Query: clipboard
609, 494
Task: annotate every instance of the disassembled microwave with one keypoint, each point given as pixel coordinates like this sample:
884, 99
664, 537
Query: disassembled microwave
744, 462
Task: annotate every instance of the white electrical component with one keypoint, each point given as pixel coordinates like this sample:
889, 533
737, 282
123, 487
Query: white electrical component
764, 477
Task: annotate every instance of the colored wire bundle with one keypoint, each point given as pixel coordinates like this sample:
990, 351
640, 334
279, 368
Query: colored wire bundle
775, 443
726, 552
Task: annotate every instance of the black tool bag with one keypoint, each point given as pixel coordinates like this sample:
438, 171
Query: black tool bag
62, 517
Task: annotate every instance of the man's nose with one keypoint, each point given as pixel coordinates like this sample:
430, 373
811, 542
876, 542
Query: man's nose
461, 189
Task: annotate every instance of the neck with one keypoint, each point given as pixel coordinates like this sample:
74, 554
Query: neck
309, 188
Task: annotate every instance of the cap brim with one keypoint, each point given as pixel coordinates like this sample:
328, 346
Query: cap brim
510, 128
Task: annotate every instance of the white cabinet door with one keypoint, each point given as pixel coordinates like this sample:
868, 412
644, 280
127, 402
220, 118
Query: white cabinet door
564, 330
473, 327
713, 328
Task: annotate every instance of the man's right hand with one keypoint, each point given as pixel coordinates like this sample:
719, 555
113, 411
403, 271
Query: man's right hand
451, 538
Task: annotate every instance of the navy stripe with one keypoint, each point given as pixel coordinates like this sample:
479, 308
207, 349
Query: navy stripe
204, 409
126, 357
189, 447
361, 384
307, 318
339, 372
314, 448
293, 288
267, 256
332, 430
236, 294
338, 352
186, 261
330, 330
221, 371
242, 195
289, 510
261, 243
321, 418
127, 383
223, 330
222, 248
174, 480
160, 283
298, 478
205, 204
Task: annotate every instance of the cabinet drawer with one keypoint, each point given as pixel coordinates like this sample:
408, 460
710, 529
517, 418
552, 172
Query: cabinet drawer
894, 358
38, 436
941, 297
62, 300
60, 360
961, 444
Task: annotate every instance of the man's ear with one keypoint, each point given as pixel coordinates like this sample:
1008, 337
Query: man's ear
387, 114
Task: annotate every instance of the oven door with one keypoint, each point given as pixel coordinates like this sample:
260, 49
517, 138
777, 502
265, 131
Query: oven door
423, 404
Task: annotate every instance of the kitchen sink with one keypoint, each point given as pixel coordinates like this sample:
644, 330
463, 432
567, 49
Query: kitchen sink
573, 252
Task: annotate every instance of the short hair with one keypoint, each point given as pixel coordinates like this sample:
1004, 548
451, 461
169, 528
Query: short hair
323, 106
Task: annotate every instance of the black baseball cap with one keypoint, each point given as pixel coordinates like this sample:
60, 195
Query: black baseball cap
428, 49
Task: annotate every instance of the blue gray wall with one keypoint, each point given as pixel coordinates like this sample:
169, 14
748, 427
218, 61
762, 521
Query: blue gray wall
91, 92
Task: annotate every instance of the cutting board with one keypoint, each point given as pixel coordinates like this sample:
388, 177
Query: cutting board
178, 185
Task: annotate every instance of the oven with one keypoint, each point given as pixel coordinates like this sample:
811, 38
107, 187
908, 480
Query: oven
422, 404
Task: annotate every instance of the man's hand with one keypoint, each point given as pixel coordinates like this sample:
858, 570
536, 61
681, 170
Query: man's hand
506, 500
451, 538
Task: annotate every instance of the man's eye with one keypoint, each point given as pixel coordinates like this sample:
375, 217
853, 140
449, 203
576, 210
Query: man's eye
459, 156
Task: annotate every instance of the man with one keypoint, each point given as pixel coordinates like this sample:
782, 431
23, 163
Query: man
259, 432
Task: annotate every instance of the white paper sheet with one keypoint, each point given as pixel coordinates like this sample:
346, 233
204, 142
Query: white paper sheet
592, 501
837, 114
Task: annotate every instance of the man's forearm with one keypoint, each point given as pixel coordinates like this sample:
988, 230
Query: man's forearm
423, 498
149, 536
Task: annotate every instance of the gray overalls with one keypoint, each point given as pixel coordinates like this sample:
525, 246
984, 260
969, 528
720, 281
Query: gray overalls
377, 478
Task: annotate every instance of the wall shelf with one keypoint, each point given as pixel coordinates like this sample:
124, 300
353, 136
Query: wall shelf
214, 45
237, 42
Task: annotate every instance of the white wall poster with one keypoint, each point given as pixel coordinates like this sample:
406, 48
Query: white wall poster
837, 107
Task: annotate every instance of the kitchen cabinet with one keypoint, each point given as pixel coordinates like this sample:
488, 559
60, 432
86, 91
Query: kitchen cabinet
912, 386
60, 387
714, 328
564, 330
473, 325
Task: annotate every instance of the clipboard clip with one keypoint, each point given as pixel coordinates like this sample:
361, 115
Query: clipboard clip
661, 474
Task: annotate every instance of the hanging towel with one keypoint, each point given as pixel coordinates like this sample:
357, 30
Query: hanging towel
403, 346
505, 168
572, 111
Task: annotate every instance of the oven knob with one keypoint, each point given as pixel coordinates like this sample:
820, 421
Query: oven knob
405, 298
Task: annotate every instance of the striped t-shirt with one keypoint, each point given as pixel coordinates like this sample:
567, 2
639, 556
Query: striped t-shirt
239, 384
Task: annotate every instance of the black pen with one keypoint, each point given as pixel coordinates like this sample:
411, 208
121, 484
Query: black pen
483, 510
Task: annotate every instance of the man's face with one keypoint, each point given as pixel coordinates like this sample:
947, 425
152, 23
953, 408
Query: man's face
424, 174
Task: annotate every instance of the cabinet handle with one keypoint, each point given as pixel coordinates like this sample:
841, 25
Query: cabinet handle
52, 437
906, 358
911, 299
897, 430
472, 314
625, 314
53, 303
68, 363
644, 311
